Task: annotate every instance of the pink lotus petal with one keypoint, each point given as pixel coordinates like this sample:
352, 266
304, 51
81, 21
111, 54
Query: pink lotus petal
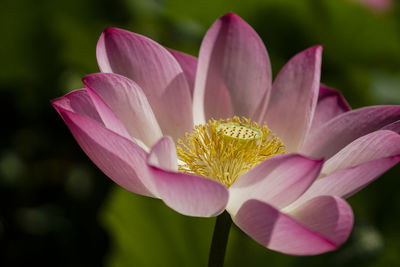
277, 181
343, 129
319, 226
330, 104
118, 157
329, 216
347, 182
107, 115
155, 70
395, 126
356, 165
78, 101
188, 64
376, 145
163, 154
190, 195
95, 109
294, 97
128, 103
234, 74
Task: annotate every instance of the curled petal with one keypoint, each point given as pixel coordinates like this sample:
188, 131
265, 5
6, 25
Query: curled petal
79, 102
128, 103
155, 70
395, 126
356, 166
118, 157
320, 225
343, 129
294, 97
233, 74
277, 181
190, 195
95, 109
376, 145
347, 182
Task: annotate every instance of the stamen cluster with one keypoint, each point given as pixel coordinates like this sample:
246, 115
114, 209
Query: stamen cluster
225, 149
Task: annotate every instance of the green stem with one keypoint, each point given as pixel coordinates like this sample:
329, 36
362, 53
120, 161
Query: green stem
219, 240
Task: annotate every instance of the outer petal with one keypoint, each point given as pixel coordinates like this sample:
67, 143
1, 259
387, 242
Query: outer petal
356, 166
395, 126
294, 97
330, 104
78, 101
118, 157
376, 145
190, 195
343, 129
320, 225
346, 183
92, 106
129, 104
233, 75
155, 70
189, 66
277, 181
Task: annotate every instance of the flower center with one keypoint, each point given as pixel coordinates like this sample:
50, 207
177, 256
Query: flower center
241, 132
224, 150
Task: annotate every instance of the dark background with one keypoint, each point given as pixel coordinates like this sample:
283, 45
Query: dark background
58, 209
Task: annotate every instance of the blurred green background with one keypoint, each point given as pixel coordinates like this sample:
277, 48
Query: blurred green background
58, 209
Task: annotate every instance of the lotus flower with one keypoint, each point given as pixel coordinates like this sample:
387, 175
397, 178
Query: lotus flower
214, 133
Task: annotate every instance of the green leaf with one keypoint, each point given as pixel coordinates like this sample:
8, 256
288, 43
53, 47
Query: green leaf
145, 232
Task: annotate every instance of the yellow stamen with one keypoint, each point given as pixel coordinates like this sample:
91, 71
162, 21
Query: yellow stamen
224, 150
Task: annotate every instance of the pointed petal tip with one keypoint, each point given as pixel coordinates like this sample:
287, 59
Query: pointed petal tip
107, 32
114, 32
315, 48
319, 47
135, 56
229, 16
325, 92
225, 83
111, 30
232, 17
315, 51
56, 101
86, 79
318, 51
91, 77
